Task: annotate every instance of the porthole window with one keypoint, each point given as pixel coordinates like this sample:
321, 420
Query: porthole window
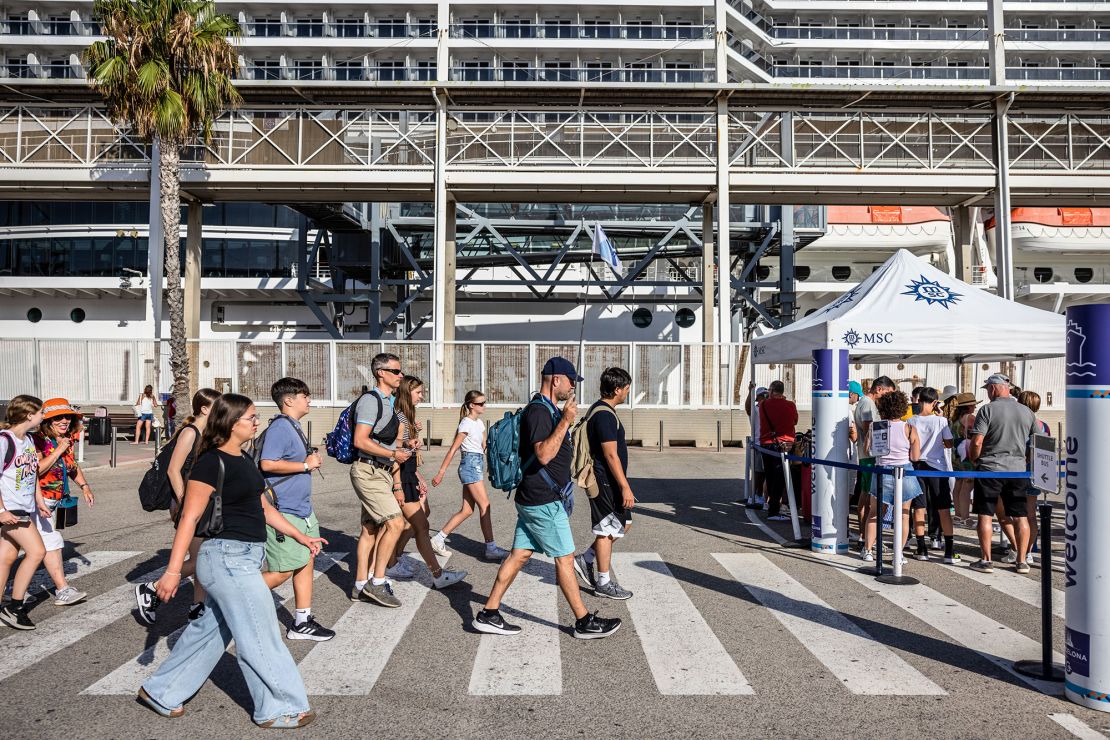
841, 272
641, 317
684, 318
77, 315
1084, 274
762, 272
1042, 274
801, 272
811, 311
34, 315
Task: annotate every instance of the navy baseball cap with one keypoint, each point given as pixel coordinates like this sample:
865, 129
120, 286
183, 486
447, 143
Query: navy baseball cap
561, 366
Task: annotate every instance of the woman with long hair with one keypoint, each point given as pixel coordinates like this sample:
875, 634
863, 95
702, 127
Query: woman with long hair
229, 566
470, 437
59, 474
21, 501
961, 415
411, 492
144, 407
185, 444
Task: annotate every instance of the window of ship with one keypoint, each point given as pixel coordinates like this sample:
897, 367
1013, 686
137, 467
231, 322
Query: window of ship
1084, 274
802, 272
684, 318
1042, 274
641, 317
34, 315
77, 315
841, 272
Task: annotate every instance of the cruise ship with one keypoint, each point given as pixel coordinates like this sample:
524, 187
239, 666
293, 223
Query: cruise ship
302, 265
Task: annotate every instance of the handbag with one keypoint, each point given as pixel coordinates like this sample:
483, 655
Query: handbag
211, 522
65, 511
138, 410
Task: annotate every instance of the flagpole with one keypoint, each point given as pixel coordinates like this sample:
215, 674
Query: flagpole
585, 308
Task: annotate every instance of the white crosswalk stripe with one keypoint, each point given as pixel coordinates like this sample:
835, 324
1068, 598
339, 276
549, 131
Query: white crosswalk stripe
81, 565
862, 665
996, 642
1076, 727
366, 635
1012, 584
684, 655
21, 650
528, 663
127, 679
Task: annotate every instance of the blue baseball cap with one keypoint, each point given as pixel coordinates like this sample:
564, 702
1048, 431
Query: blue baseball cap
855, 387
561, 366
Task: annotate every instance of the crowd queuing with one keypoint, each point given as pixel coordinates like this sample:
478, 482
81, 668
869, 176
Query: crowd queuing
927, 430
241, 506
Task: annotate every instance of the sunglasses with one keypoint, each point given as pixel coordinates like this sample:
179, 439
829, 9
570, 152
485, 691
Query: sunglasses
393, 370
477, 403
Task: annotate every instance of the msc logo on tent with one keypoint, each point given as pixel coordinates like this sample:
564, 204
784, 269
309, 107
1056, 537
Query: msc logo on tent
853, 337
842, 300
931, 291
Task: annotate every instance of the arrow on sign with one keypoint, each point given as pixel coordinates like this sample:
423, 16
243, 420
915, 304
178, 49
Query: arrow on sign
1044, 478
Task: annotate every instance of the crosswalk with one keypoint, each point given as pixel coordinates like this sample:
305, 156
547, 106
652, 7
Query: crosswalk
686, 651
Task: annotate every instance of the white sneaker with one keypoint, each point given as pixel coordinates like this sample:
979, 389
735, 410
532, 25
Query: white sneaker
1029, 558
868, 556
1010, 557
439, 547
938, 543
448, 577
901, 561
496, 553
68, 596
402, 571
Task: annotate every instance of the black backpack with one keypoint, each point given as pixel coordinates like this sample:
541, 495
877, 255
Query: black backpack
155, 491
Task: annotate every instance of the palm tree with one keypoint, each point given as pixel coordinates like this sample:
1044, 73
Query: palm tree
165, 71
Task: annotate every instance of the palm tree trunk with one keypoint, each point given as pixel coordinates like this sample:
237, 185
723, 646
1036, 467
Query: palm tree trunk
169, 164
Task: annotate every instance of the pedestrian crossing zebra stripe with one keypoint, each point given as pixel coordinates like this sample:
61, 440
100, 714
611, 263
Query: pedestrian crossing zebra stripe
126, 680
994, 641
79, 566
528, 663
684, 654
1018, 586
365, 637
22, 650
1076, 726
859, 662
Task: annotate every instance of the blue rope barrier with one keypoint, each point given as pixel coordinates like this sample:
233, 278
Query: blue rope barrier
883, 470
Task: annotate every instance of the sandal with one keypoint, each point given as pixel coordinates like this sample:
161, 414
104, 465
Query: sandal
289, 721
146, 699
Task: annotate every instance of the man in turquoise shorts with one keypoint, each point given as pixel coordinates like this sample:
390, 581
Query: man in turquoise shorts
542, 523
287, 461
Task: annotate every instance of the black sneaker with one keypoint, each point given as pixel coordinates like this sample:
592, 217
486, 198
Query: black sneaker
196, 611
310, 630
15, 616
147, 601
491, 622
593, 627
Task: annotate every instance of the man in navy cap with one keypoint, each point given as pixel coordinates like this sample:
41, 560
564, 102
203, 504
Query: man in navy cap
542, 523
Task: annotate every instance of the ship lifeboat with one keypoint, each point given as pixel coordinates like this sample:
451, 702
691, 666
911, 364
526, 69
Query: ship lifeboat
1058, 230
919, 229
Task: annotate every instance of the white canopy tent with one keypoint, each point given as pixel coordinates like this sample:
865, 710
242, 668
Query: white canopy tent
908, 308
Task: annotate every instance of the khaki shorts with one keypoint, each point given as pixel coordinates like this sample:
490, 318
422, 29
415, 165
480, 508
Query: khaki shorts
374, 488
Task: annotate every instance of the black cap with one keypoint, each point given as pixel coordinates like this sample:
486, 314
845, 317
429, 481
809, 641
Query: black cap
561, 366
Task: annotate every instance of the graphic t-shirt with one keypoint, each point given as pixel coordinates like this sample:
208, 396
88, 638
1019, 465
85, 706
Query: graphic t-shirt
244, 519
19, 480
53, 482
536, 424
475, 432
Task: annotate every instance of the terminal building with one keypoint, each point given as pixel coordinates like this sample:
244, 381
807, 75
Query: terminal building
582, 98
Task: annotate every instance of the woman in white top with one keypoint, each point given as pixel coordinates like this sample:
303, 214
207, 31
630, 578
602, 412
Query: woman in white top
905, 449
144, 406
471, 438
22, 498
936, 454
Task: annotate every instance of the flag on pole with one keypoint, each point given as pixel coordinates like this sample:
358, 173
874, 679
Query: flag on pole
604, 249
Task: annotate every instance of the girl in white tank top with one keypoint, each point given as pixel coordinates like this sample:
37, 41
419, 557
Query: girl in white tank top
905, 449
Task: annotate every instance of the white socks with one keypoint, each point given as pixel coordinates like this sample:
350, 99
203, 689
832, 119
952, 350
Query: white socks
602, 577
303, 615
377, 581
359, 585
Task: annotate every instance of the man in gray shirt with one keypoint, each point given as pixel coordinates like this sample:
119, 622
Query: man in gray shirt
999, 443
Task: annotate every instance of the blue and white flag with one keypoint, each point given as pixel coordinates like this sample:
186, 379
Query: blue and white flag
604, 249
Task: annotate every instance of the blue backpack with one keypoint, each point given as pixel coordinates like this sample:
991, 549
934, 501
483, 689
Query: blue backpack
503, 450
340, 441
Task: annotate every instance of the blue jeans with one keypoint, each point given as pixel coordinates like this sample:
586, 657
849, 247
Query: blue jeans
239, 606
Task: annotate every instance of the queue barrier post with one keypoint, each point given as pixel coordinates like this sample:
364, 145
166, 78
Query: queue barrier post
1046, 668
896, 578
789, 479
112, 452
748, 488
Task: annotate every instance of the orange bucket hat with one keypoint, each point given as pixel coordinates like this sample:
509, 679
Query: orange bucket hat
58, 407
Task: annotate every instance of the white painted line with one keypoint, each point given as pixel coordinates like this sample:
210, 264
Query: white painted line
126, 680
76, 567
685, 657
365, 636
1012, 584
1076, 726
528, 663
754, 519
860, 663
994, 641
21, 650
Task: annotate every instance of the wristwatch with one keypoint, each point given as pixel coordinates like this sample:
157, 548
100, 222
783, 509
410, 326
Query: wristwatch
393, 456
306, 466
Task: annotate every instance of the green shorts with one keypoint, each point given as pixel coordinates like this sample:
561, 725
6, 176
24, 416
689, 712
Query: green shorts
865, 475
543, 529
290, 555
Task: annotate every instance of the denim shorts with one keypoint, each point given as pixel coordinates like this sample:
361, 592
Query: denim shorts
472, 467
544, 528
911, 488
146, 417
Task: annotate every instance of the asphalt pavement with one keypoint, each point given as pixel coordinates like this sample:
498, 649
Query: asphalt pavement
729, 634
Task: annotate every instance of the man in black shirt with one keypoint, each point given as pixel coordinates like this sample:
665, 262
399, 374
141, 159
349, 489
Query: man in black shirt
611, 507
542, 521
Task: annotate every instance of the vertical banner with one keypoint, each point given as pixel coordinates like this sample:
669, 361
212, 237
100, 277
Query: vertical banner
1087, 507
830, 442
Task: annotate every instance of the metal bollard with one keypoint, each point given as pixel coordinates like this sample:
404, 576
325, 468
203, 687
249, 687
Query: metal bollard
112, 453
718, 435
660, 435
896, 578
81, 447
309, 435
157, 441
789, 480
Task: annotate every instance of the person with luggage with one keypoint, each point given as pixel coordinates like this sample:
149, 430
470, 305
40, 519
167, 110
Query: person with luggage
287, 461
470, 438
59, 478
230, 568
182, 449
545, 455
611, 497
21, 502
